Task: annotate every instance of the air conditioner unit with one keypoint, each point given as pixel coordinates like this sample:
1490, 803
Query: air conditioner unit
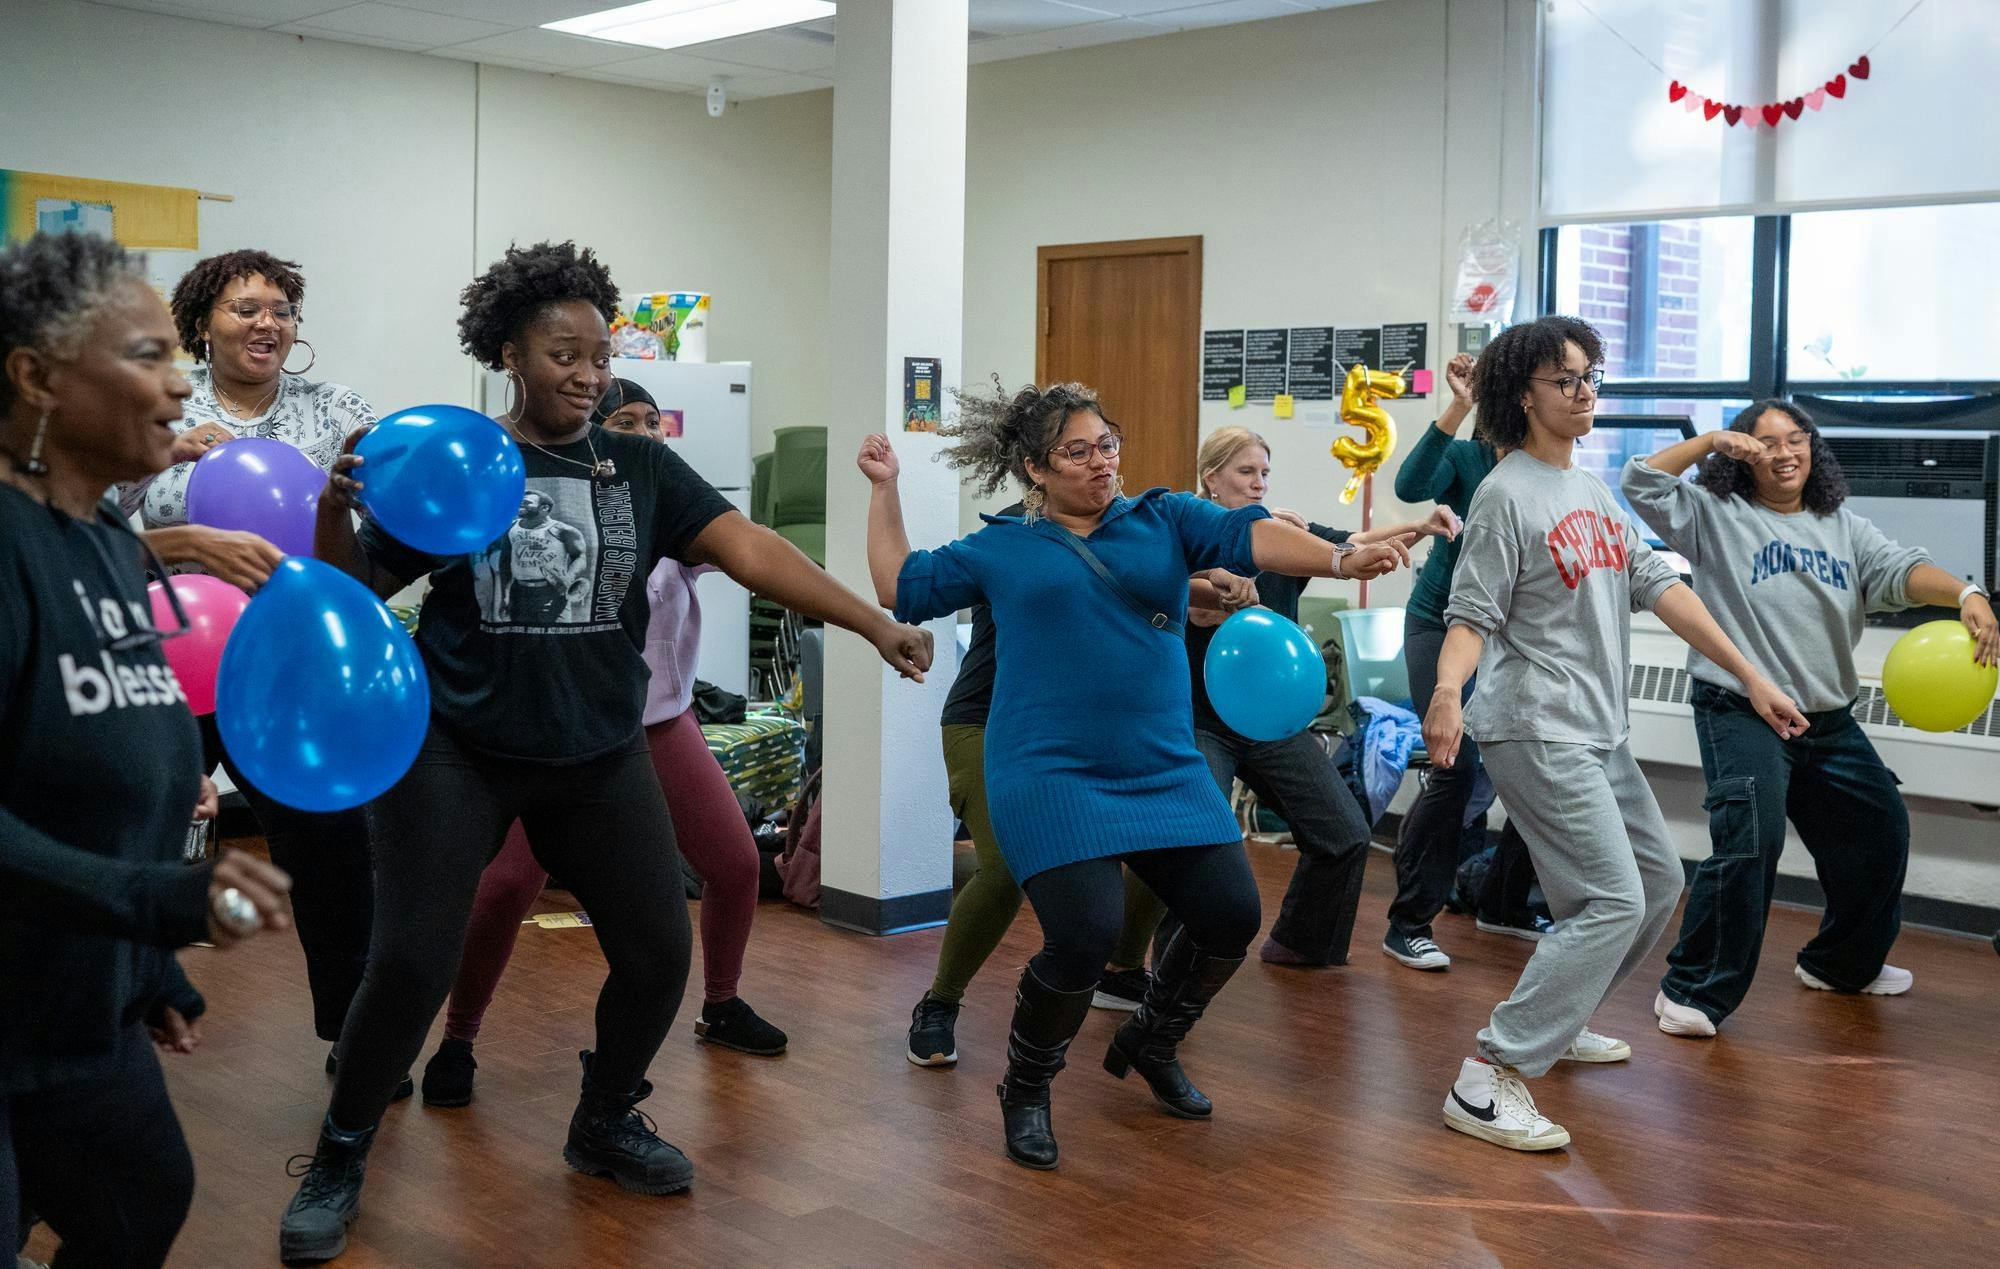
1935, 489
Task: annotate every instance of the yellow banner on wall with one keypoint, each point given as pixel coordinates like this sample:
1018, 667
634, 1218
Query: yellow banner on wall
136, 216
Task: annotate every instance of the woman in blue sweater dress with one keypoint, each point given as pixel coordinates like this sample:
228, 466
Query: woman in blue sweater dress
1090, 754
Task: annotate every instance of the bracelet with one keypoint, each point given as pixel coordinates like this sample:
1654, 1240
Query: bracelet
1971, 588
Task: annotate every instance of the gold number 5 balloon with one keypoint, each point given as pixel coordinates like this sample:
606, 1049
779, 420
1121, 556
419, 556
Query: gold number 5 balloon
1359, 407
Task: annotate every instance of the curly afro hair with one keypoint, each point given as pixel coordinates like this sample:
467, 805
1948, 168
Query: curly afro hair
51, 288
1501, 377
197, 291
998, 436
521, 286
1826, 486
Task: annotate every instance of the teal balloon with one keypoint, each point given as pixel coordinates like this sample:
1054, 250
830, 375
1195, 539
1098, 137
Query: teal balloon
321, 697
1264, 674
441, 478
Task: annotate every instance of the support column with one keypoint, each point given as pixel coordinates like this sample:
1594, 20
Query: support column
897, 291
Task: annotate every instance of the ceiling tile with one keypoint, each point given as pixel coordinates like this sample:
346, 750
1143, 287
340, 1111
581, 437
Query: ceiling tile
1102, 33
1226, 13
606, 75
553, 48
771, 51
512, 13
349, 37
260, 13
1004, 47
1023, 17
405, 26
776, 86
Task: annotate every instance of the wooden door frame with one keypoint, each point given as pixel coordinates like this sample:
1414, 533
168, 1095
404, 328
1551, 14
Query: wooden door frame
1188, 246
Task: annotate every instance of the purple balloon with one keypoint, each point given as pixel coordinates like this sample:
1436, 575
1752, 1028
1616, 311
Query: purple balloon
266, 487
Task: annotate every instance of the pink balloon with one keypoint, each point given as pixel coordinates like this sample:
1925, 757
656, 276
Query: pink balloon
212, 607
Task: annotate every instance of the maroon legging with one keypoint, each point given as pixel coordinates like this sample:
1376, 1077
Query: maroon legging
713, 836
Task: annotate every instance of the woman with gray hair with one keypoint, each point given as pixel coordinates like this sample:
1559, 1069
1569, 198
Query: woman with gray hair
1090, 755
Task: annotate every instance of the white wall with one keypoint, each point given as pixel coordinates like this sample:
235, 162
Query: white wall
372, 168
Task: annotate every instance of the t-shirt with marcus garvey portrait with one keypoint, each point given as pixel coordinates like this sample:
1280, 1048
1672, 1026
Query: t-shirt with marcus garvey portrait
535, 644
1550, 573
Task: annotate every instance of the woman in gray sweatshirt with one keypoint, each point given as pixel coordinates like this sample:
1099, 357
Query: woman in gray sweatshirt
1547, 579
1789, 573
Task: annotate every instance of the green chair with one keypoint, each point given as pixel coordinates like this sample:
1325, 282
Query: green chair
760, 488
798, 489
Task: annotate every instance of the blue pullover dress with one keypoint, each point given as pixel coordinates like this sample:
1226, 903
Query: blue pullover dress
1090, 743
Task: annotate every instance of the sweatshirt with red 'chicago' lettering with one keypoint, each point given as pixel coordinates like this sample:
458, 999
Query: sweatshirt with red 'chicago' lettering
1549, 573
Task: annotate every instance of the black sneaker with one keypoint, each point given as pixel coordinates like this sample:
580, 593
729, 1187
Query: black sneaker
403, 1090
933, 1028
608, 1136
735, 1025
1532, 926
448, 1075
1417, 951
314, 1227
1121, 989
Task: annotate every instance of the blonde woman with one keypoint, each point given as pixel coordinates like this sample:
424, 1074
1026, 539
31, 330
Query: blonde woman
1294, 777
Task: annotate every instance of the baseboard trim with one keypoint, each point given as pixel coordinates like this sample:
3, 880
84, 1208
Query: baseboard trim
1947, 916
898, 914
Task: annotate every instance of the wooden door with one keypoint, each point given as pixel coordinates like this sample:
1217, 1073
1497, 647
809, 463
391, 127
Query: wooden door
1125, 319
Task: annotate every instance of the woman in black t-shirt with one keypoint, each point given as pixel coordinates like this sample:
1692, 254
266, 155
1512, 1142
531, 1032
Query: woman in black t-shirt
536, 702
99, 767
1293, 776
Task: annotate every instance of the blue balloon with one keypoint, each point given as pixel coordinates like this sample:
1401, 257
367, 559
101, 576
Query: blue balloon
1264, 675
321, 697
441, 478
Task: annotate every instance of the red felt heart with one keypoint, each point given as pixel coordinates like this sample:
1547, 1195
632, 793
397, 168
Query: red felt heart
1795, 107
1710, 109
1676, 91
1772, 114
1860, 69
1837, 85
1732, 114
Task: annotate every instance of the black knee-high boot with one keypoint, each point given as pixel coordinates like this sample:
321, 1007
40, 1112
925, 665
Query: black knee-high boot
1045, 1021
1185, 979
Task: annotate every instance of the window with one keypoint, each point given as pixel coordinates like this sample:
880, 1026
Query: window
1669, 297
1625, 430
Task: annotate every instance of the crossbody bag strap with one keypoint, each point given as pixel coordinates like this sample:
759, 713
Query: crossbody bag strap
1157, 620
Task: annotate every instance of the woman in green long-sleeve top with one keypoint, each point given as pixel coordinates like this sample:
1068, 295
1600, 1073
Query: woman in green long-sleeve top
1443, 469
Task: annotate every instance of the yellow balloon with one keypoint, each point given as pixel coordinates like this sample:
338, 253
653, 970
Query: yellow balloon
1931, 680
1359, 408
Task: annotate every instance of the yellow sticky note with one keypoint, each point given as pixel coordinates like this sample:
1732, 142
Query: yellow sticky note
1236, 397
1281, 406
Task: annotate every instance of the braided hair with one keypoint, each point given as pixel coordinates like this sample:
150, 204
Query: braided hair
51, 289
999, 435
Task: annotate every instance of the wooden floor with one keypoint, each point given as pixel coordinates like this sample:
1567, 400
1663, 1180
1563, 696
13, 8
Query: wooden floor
1818, 1130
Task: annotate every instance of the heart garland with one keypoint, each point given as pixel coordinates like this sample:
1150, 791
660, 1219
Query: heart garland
1769, 115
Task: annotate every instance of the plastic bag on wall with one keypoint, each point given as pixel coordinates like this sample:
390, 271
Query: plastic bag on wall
1489, 269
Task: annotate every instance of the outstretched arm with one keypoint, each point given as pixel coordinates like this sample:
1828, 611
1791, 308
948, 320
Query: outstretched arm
1929, 584
1279, 547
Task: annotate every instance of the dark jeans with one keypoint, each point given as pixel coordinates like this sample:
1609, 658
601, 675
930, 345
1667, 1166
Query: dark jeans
1297, 779
103, 1163
333, 891
1834, 789
600, 828
1081, 907
1427, 847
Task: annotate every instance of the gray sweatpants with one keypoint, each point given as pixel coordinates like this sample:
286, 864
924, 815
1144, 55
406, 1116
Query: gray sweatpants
1612, 878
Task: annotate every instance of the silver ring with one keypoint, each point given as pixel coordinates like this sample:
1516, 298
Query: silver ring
236, 913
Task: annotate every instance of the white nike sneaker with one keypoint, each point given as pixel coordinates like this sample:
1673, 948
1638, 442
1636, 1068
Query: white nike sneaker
1890, 982
1681, 1019
1592, 1047
1491, 1103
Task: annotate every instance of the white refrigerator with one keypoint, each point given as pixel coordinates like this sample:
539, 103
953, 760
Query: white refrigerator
705, 412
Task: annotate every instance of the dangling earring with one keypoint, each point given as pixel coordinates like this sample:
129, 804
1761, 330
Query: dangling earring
513, 414
207, 353
35, 466
1032, 503
313, 358
1117, 486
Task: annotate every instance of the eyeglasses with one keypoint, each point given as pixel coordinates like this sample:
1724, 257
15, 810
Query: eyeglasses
1569, 384
247, 311
1797, 443
1078, 452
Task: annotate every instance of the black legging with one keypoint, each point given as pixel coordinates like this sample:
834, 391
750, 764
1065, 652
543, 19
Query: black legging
1081, 906
102, 1161
600, 828
333, 901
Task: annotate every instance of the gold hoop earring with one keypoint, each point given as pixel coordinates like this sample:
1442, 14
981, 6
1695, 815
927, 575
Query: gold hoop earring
35, 466
513, 414
1032, 503
312, 358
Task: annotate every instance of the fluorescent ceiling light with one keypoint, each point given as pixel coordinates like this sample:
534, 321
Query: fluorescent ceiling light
677, 23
